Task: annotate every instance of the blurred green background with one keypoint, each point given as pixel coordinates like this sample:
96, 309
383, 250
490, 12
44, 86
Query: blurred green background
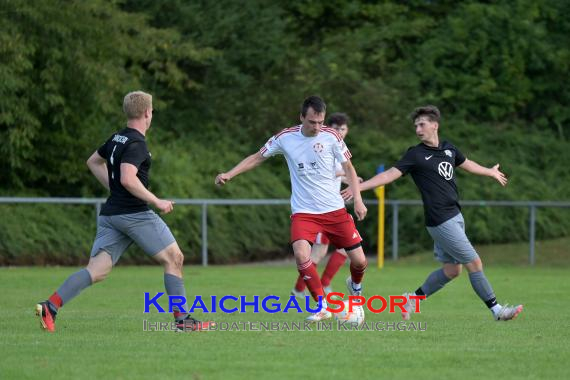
227, 75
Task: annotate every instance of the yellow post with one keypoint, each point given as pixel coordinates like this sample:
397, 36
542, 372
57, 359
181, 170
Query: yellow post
380, 194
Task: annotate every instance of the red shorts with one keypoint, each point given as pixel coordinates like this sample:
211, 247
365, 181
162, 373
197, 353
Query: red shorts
337, 225
322, 239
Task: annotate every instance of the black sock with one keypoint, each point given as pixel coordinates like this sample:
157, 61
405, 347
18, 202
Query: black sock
52, 308
420, 292
492, 302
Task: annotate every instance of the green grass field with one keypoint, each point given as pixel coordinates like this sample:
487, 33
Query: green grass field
100, 333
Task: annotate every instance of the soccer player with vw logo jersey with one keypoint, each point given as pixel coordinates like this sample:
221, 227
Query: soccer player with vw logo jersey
432, 165
311, 151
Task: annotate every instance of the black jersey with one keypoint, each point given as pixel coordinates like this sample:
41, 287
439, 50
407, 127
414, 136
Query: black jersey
433, 171
125, 146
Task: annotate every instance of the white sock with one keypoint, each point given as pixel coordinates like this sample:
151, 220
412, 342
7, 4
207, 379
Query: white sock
495, 309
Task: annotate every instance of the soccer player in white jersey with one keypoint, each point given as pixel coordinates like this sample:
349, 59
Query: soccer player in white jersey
311, 150
338, 121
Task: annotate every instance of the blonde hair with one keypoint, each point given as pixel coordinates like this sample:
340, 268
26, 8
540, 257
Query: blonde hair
136, 103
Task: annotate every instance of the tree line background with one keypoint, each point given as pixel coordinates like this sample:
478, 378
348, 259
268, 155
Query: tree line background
226, 75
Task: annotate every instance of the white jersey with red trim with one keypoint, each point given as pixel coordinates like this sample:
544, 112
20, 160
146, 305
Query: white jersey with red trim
338, 169
312, 164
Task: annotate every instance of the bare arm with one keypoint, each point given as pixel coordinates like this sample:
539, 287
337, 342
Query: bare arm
494, 172
98, 166
246, 164
133, 184
353, 183
343, 177
380, 179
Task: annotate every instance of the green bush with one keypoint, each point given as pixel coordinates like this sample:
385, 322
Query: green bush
227, 75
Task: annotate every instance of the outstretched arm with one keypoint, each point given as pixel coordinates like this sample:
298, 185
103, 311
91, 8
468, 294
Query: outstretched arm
353, 183
380, 179
494, 172
246, 164
343, 177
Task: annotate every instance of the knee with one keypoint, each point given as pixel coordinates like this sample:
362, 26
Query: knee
359, 263
452, 272
175, 258
99, 266
98, 275
179, 259
302, 251
475, 265
357, 258
98, 272
302, 257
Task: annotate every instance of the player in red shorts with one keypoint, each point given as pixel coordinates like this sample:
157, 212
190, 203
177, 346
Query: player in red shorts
338, 121
311, 150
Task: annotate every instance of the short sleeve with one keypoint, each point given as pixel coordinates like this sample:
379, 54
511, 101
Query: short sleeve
407, 162
103, 151
135, 153
271, 147
459, 157
341, 152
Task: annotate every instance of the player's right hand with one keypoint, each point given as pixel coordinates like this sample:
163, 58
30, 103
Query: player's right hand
499, 176
164, 206
360, 210
221, 179
346, 194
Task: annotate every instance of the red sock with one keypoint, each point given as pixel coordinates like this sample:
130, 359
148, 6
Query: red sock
55, 300
300, 284
357, 272
308, 271
178, 315
336, 260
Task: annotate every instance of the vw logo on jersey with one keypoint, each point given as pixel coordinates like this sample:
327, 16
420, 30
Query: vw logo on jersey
445, 170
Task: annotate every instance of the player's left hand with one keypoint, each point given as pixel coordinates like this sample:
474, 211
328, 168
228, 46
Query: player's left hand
360, 210
346, 194
498, 175
165, 206
221, 179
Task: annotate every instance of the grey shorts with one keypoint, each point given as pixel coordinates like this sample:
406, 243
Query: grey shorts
116, 233
451, 245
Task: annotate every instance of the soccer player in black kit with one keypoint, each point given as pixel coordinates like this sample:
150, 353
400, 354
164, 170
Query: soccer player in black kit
122, 166
432, 165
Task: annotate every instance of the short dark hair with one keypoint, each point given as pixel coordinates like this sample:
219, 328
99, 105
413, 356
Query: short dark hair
316, 103
338, 118
431, 112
